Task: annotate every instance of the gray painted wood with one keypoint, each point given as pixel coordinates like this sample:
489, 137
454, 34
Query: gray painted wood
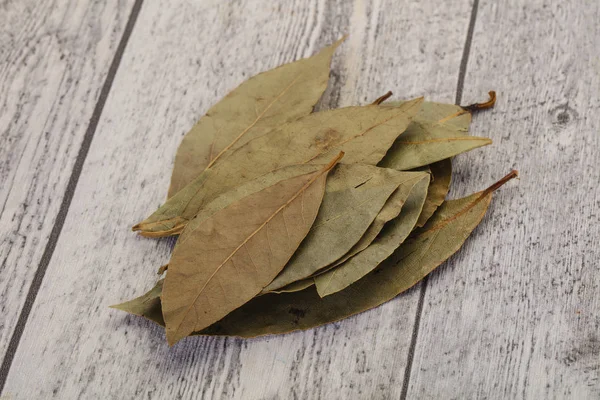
182, 57
54, 57
516, 314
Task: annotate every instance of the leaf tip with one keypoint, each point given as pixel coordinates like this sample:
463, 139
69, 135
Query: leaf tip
117, 306
173, 337
418, 102
332, 47
484, 141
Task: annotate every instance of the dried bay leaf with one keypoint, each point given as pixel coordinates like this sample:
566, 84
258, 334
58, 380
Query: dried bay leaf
390, 210
439, 239
236, 252
439, 186
265, 101
363, 133
438, 132
354, 195
390, 238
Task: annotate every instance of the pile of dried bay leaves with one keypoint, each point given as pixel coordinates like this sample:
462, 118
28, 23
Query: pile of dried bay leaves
290, 219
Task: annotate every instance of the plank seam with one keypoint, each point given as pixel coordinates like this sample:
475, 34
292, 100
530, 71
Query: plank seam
67, 198
462, 72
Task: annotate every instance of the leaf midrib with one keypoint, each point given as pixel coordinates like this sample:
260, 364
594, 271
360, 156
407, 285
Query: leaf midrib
258, 118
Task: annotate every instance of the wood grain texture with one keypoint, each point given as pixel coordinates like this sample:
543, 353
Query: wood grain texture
54, 57
516, 315
181, 58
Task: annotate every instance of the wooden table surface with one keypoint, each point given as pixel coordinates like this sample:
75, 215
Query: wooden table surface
95, 97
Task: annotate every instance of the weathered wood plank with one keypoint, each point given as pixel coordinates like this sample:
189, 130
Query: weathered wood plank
54, 57
181, 58
516, 314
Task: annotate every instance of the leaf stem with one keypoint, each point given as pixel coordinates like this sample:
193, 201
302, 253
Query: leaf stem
381, 99
482, 106
512, 174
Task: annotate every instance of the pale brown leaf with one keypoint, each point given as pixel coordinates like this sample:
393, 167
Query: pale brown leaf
236, 252
438, 132
258, 105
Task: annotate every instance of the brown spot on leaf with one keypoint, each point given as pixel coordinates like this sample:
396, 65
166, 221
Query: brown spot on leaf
327, 139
